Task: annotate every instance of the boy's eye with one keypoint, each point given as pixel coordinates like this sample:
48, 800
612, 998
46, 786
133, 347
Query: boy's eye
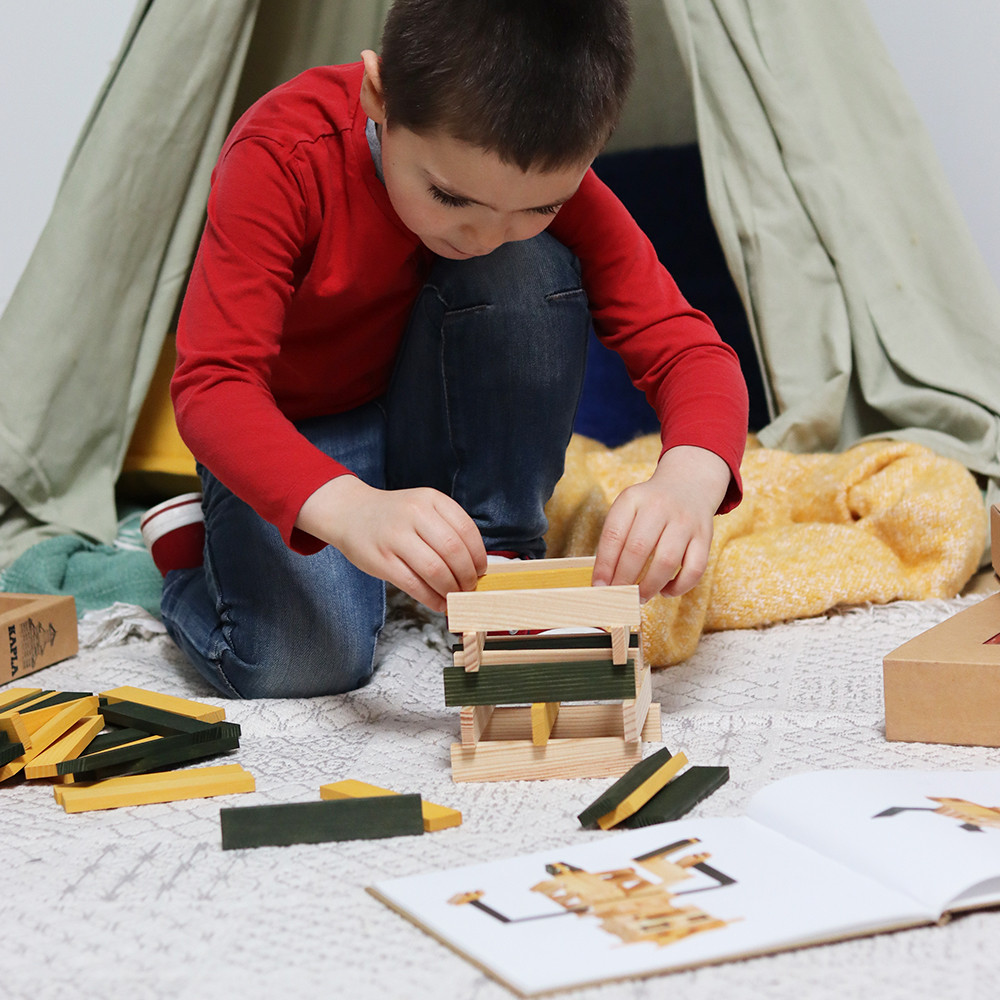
546, 210
447, 199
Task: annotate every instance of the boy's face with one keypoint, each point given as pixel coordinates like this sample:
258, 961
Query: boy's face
463, 201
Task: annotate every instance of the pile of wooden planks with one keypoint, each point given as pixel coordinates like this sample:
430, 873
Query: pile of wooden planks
117, 748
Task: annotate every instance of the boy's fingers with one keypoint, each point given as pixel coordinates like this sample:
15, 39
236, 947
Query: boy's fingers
611, 547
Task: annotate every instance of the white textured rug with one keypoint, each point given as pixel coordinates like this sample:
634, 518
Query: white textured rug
142, 902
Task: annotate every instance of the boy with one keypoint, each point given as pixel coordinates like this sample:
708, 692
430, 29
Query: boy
382, 344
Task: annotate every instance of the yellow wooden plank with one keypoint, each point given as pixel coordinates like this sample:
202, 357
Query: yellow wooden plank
543, 717
71, 713
66, 747
604, 607
536, 579
166, 702
435, 817
640, 796
10, 695
145, 789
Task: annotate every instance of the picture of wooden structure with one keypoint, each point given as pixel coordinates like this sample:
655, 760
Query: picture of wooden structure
635, 904
549, 675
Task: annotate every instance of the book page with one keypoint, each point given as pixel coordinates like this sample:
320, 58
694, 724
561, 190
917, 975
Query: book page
633, 903
932, 834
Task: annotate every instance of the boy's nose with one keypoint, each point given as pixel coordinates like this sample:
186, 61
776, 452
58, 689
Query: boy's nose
485, 239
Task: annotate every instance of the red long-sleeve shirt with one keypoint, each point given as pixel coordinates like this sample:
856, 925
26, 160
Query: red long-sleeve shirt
304, 281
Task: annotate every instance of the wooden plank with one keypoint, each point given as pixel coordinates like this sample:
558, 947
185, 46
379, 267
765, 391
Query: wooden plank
144, 789
540, 578
49, 732
159, 721
13, 697
435, 817
574, 722
472, 650
114, 738
678, 796
166, 702
527, 683
600, 757
636, 799
646, 779
160, 753
473, 720
543, 717
619, 644
634, 710
549, 648
524, 566
66, 747
321, 822
520, 609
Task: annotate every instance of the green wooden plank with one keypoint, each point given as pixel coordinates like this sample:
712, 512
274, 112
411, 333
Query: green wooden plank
321, 822
155, 721
678, 797
12, 706
112, 739
169, 751
527, 683
10, 751
57, 698
623, 788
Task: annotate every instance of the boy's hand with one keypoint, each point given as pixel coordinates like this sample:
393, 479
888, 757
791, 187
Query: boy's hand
665, 521
419, 540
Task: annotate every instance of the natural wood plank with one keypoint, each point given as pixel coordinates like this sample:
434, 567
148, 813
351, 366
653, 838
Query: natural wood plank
527, 683
521, 567
598, 757
520, 609
473, 720
472, 650
574, 722
550, 648
634, 710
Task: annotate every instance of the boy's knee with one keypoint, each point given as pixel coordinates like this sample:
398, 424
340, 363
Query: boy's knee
302, 666
526, 271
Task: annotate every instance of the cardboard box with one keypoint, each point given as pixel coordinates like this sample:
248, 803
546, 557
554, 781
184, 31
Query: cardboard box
36, 630
944, 685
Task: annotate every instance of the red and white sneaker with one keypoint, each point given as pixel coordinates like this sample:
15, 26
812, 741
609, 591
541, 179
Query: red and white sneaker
174, 533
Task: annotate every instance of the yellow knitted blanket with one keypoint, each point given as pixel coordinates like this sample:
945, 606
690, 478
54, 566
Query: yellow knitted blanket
882, 521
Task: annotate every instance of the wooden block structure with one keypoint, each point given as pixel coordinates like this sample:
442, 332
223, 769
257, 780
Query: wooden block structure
38, 630
104, 753
944, 685
549, 675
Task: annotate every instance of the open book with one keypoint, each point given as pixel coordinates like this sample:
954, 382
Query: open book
818, 857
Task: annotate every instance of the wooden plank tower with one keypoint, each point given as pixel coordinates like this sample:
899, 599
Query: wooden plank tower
575, 702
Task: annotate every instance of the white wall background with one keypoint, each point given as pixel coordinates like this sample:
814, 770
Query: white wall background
54, 55
946, 52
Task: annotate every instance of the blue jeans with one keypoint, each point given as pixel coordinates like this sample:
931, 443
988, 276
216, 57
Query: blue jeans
481, 407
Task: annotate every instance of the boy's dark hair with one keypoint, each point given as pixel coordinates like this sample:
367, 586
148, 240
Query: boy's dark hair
540, 83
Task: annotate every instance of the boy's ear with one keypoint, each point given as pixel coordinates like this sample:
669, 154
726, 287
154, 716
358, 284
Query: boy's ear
372, 101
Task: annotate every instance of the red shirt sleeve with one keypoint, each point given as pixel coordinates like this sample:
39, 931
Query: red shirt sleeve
671, 350
260, 216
